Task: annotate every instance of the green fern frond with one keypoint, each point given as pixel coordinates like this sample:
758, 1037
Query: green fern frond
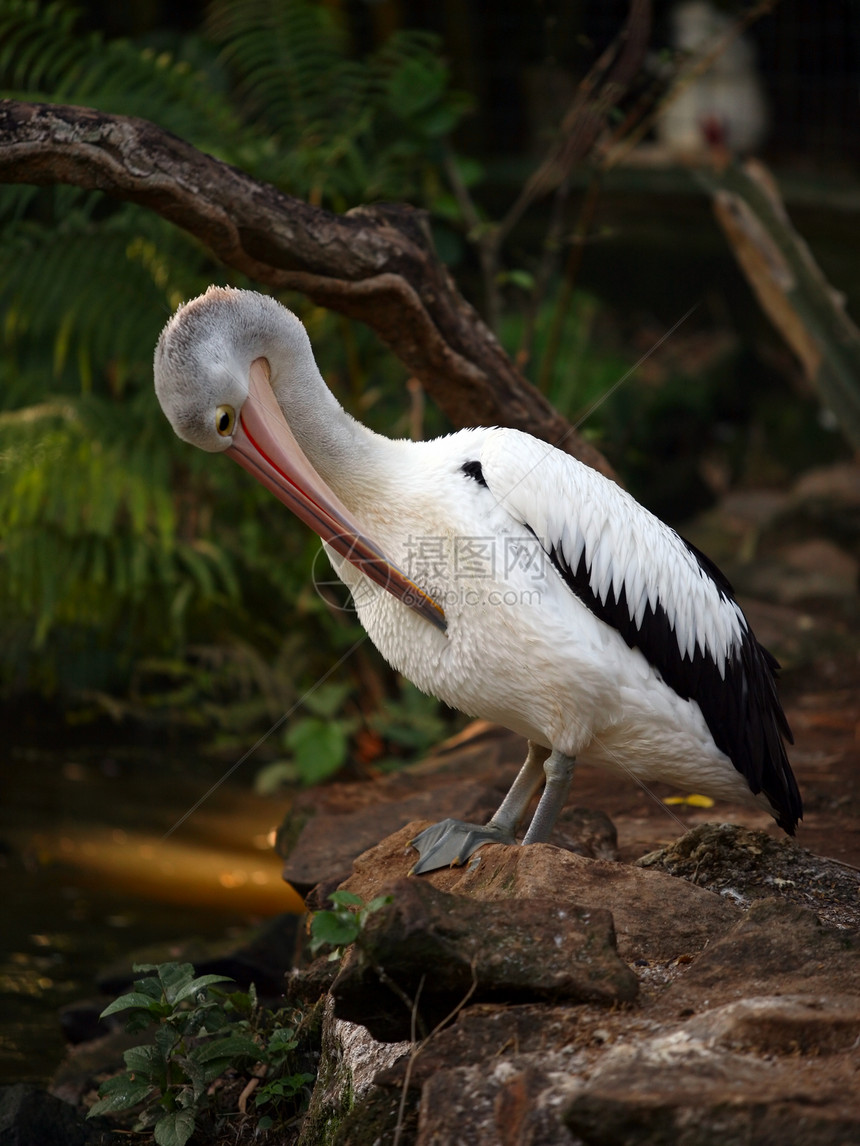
37, 43
103, 511
99, 292
345, 131
43, 57
86, 521
286, 57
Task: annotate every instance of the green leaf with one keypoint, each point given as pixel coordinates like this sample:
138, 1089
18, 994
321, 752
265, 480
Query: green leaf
273, 776
333, 929
319, 748
166, 1039
377, 902
344, 898
282, 1041
137, 1000
416, 85
120, 1093
145, 1060
196, 986
175, 1128
174, 977
150, 984
197, 1078
243, 1002
328, 699
437, 121
287, 1087
230, 1047
519, 278
470, 171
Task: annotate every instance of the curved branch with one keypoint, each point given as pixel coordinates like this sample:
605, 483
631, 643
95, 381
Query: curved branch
376, 264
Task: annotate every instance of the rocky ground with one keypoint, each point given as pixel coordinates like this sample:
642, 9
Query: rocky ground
598, 997
661, 973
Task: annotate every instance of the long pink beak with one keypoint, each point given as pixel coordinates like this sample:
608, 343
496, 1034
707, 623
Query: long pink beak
264, 445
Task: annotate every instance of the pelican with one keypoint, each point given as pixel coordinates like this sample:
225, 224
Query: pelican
498, 574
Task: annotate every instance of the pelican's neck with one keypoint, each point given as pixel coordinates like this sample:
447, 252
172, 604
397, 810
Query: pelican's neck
348, 456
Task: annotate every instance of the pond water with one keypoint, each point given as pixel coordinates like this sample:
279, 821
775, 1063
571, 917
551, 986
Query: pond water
88, 875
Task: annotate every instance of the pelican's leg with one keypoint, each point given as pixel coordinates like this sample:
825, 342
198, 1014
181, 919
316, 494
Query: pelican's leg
451, 842
559, 770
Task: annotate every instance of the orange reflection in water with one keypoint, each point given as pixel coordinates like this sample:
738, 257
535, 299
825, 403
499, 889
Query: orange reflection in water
175, 870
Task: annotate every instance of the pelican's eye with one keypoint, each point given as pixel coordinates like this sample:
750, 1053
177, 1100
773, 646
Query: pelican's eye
225, 420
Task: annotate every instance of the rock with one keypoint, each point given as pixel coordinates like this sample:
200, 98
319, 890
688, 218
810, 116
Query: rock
32, 1117
511, 1074
743, 865
783, 1024
776, 948
496, 1075
816, 568
837, 484
487, 1106
466, 778
809, 571
656, 917
81, 1021
748, 1017
496, 1031
441, 949
586, 832
344, 1097
744, 1030
329, 843
675, 1090
88, 1064
741, 509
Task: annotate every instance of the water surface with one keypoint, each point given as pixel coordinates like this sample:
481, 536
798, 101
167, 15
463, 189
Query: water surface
87, 876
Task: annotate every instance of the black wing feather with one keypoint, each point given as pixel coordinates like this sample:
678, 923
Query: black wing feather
741, 707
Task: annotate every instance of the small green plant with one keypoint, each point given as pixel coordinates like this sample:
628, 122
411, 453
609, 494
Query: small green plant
201, 1032
344, 922
318, 743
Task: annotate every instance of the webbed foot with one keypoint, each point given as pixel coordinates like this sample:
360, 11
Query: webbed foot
450, 843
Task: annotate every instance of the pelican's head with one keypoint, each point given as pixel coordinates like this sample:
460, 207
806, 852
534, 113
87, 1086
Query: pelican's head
208, 357
213, 380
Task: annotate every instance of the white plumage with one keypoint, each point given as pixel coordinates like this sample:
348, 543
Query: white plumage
497, 574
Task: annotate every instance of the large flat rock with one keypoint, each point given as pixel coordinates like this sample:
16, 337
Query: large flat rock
657, 917
442, 949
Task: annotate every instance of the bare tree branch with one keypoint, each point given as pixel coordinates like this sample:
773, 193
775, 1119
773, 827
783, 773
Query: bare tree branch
375, 264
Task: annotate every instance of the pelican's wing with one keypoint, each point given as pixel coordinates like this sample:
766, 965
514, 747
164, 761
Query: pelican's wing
660, 593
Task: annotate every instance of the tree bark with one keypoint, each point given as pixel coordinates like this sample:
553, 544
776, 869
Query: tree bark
376, 264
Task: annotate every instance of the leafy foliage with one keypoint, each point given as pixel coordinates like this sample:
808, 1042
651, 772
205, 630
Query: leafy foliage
317, 745
44, 57
201, 1032
344, 922
339, 130
134, 572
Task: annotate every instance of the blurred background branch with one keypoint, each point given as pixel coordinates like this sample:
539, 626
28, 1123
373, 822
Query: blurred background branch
805, 309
